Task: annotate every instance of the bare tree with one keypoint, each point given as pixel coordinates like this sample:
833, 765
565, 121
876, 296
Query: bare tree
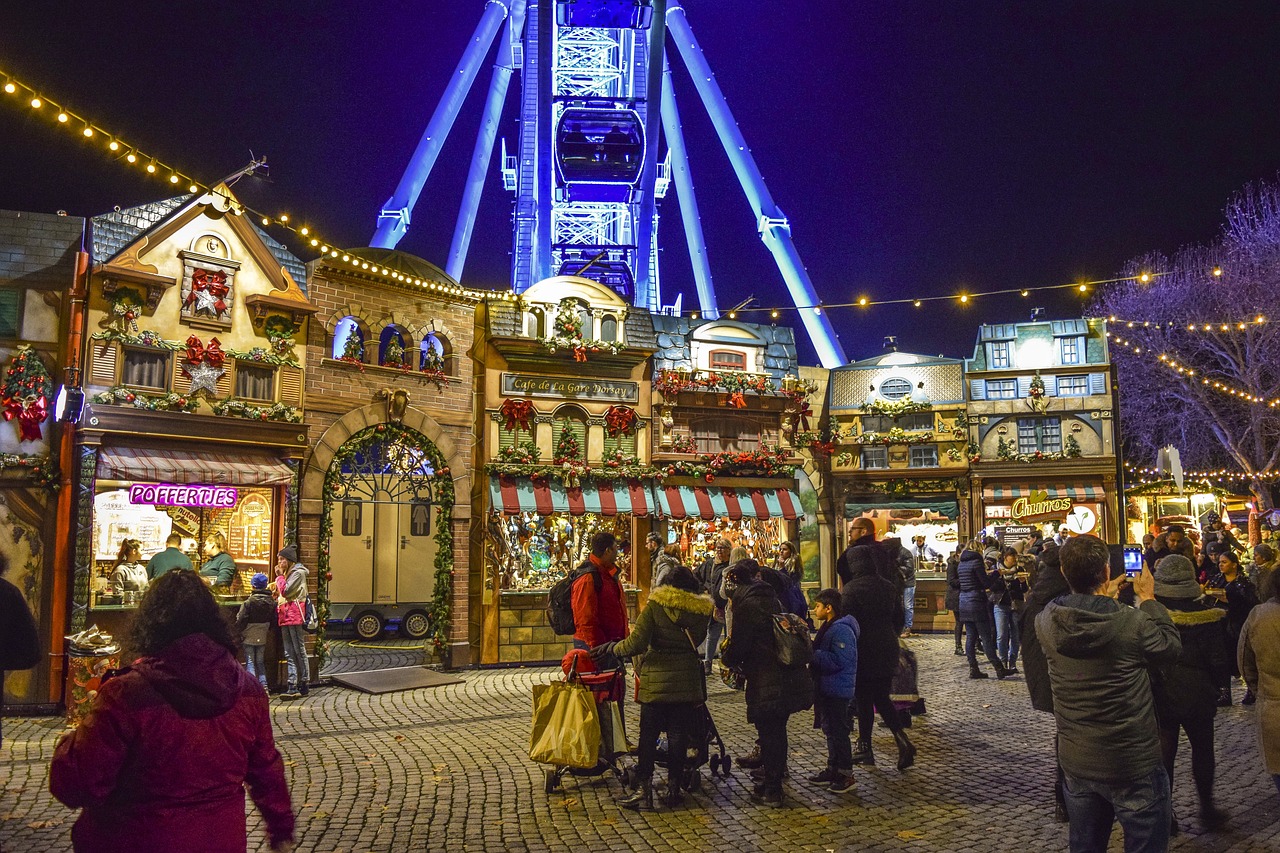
1158, 405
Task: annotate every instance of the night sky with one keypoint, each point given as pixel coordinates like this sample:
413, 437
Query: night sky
918, 148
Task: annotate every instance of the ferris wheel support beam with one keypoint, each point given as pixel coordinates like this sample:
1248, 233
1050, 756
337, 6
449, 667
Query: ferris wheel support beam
772, 223
689, 215
503, 65
646, 285
393, 219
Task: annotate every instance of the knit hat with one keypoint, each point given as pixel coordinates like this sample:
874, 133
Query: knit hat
259, 581
289, 553
1176, 578
1263, 553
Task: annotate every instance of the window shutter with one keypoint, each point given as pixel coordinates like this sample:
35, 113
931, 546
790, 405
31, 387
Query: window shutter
290, 385
977, 390
176, 379
624, 443
1050, 385
105, 359
510, 438
11, 312
1097, 383
1024, 385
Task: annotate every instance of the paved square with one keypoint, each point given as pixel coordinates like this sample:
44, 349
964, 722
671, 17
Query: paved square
445, 769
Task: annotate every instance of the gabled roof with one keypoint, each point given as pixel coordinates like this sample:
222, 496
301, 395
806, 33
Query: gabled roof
890, 359
38, 250
111, 232
675, 335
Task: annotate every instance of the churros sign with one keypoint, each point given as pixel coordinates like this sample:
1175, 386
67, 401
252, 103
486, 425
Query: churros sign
171, 494
1039, 505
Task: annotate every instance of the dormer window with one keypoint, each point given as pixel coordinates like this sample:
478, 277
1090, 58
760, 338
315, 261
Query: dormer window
727, 359
895, 389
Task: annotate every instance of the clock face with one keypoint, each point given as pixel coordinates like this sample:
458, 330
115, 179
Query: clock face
1082, 520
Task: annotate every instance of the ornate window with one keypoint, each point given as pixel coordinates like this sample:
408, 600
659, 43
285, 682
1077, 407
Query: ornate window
727, 359
569, 434
1042, 434
895, 389
717, 434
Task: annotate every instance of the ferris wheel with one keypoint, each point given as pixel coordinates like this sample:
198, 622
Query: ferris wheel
598, 144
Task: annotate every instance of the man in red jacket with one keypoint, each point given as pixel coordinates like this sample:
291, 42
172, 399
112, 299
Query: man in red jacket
599, 607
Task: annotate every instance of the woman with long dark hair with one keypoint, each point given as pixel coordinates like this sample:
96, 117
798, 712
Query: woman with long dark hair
163, 760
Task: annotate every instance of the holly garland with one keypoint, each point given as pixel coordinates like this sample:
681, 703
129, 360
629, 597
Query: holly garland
1008, 451
121, 395
567, 333
896, 408
765, 462
440, 610
669, 383
232, 407
26, 393
43, 471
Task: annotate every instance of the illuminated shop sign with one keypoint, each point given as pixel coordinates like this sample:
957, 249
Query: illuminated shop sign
1040, 505
170, 494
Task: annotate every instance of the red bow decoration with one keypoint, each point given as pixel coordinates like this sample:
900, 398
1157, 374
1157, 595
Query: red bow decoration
803, 415
579, 353
214, 283
30, 413
619, 420
738, 400
516, 413
198, 353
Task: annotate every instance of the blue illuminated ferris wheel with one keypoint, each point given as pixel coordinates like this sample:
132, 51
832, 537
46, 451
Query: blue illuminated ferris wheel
587, 168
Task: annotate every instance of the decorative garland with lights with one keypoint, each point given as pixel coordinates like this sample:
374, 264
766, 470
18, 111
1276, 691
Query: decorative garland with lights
1169, 487
1222, 474
232, 407
905, 488
1007, 451
146, 338
440, 610
895, 408
1188, 374
121, 395
670, 383
896, 435
262, 355
760, 463
567, 333
43, 471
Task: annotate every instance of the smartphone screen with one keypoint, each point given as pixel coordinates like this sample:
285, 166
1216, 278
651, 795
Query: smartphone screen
1132, 561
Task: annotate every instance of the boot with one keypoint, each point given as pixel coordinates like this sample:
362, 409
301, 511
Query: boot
1003, 671
640, 798
862, 751
1210, 815
974, 672
674, 796
906, 750
751, 759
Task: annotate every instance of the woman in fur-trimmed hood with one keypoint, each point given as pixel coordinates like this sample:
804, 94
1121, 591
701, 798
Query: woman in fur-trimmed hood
664, 643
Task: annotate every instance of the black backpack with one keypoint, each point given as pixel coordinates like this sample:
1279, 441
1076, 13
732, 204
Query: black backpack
560, 599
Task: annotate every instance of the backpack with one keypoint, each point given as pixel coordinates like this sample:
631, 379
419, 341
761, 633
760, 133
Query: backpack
560, 599
793, 601
791, 641
310, 619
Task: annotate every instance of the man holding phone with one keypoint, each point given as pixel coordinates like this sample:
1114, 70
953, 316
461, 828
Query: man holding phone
1099, 653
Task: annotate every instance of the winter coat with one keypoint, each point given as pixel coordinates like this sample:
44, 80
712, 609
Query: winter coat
259, 608
221, 568
835, 658
907, 566
974, 583
162, 761
166, 561
658, 569
1048, 585
878, 556
1160, 549
711, 574
953, 584
1188, 689
1011, 592
1242, 597
1099, 652
292, 587
19, 637
599, 610
1259, 660
665, 641
772, 689
878, 609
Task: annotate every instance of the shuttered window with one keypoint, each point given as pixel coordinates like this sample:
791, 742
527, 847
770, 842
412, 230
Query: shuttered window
1002, 389
512, 438
624, 443
145, 368
1042, 434
255, 383
10, 312
714, 435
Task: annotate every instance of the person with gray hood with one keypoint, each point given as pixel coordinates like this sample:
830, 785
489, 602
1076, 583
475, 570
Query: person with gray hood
1099, 653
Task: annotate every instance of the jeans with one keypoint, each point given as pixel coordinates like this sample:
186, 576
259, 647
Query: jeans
909, 606
870, 695
971, 632
295, 652
835, 727
1142, 806
712, 643
676, 719
1008, 634
255, 661
772, 734
1203, 764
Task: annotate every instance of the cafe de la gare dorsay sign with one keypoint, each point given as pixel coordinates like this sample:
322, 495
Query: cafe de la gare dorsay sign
604, 390
1038, 505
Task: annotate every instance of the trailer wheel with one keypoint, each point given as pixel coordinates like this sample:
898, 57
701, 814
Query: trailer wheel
415, 625
369, 625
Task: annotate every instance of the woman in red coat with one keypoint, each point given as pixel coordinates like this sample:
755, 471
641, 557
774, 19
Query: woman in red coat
162, 762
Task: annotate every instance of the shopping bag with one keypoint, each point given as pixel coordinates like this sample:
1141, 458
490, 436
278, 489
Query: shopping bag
566, 727
613, 732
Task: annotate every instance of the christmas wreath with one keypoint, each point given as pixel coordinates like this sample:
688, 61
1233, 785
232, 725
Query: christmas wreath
26, 392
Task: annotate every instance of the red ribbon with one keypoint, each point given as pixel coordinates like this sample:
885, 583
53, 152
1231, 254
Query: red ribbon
30, 414
198, 353
195, 350
516, 413
214, 283
213, 354
579, 353
804, 413
619, 420
738, 400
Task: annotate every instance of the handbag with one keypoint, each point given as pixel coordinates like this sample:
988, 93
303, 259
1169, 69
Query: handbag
566, 725
613, 742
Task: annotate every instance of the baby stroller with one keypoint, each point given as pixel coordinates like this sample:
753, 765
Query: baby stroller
608, 689
702, 737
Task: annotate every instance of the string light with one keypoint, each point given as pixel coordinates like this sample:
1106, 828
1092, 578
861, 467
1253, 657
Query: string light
1218, 326
1188, 374
1220, 474
157, 167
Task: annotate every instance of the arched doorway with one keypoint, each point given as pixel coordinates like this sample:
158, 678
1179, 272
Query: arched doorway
387, 545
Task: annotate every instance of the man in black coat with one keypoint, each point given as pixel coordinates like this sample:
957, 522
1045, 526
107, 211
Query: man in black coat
19, 639
1049, 584
877, 607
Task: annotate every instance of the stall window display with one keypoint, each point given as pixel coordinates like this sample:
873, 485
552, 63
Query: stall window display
696, 537
533, 551
243, 517
939, 531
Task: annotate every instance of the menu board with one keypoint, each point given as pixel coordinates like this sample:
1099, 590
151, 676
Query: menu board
115, 519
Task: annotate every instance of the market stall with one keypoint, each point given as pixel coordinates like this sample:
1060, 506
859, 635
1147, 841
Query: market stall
757, 518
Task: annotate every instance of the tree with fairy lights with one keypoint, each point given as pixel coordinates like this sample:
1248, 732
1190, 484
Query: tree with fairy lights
1197, 368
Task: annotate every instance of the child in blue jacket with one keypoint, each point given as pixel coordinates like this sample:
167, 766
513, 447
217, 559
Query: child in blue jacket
835, 669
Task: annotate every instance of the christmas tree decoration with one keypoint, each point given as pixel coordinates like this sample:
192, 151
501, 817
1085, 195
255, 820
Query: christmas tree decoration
26, 393
568, 448
353, 349
393, 355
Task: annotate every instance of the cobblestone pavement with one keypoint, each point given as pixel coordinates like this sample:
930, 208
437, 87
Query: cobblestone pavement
360, 655
445, 769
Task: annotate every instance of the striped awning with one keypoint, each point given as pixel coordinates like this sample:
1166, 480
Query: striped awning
513, 495
1074, 491
239, 468
722, 502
